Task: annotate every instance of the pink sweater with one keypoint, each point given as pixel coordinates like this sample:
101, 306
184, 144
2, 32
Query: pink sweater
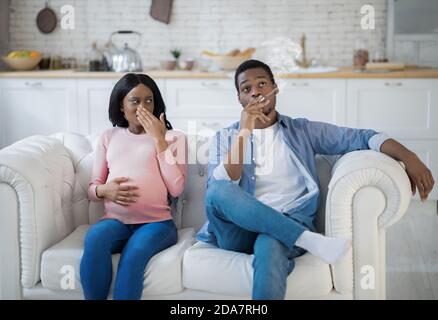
120, 153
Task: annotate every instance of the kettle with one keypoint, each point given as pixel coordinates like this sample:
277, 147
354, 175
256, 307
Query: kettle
125, 59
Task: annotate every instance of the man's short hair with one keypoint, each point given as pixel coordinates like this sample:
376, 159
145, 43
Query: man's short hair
252, 64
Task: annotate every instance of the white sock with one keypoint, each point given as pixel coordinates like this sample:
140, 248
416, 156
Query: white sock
329, 249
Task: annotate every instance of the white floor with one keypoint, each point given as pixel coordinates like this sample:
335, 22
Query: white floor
412, 254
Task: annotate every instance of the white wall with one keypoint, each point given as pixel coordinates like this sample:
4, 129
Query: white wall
221, 25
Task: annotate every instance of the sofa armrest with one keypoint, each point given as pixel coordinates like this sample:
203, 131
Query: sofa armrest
40, 172
368, 192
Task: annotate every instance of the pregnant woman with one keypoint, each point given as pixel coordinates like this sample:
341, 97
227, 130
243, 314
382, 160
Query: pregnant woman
138, 166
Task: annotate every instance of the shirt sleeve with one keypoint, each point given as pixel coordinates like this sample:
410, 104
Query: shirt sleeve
220, 173
173, 164
330, 139
377, 140
100, 171
219, 147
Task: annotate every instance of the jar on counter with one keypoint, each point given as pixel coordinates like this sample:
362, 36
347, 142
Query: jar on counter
379, 55
55, 62
360, 55
95, 59
45, 62
69, 63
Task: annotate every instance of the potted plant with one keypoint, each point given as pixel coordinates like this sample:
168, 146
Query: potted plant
170, 64
176, 53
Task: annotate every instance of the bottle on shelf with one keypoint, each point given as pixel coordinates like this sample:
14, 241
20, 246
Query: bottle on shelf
95, 59
360, 55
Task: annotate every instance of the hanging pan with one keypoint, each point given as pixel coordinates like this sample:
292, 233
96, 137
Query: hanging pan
46, 20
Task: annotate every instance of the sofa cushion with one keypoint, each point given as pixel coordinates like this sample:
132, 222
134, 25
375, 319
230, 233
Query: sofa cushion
208, 268
162, 273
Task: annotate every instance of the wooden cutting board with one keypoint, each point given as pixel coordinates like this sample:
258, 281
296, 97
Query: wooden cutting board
385, 66
161, 10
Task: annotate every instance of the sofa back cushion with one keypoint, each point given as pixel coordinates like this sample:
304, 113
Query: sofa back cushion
80, 149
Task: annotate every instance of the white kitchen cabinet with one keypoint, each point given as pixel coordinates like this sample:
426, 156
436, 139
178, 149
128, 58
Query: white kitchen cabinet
201, 103
404, 108
93, 103
36, 106
314, 99
215, 101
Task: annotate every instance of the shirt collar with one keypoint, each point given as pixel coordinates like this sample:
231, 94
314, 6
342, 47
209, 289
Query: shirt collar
282, 120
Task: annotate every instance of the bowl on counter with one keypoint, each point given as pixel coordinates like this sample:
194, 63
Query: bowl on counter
231, 60
168, 64
19, 61
227, 62
186, 64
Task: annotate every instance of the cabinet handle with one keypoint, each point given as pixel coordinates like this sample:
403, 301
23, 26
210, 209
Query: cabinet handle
33, 84
393, 84
210, 84
300, 84
210, 124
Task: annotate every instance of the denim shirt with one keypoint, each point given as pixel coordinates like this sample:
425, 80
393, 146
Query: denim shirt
305, 138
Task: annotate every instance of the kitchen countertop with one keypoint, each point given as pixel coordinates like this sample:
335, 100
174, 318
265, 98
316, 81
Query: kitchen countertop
342, 72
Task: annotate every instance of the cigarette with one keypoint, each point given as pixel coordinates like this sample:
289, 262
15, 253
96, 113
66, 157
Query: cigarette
269, 94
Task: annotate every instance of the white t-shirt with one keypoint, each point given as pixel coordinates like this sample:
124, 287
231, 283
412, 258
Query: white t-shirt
278, 180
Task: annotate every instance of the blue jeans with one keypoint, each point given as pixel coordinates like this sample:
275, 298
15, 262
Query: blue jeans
138, 243
242, 223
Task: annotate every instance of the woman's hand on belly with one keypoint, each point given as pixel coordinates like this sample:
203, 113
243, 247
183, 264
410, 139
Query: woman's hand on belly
124, 195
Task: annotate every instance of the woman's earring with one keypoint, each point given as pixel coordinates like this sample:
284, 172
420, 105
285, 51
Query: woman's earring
124, 116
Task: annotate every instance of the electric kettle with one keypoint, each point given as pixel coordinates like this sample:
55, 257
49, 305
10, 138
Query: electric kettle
125, 59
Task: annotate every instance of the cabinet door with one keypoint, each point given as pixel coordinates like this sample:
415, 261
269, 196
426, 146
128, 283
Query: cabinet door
314, 99
201, 103
93, 103
404, 108
36, 106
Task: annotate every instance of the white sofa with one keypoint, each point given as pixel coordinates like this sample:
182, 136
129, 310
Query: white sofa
44, 214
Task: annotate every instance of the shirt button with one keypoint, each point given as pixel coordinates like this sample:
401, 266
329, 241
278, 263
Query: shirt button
252, 178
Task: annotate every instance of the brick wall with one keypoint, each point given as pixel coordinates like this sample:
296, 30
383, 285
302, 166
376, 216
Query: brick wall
331, 27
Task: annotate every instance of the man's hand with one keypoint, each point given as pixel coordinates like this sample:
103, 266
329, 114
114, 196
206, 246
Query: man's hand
114, 190
251, 112
419, 175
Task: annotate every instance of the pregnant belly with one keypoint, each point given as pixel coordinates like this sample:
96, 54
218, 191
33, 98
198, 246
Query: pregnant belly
151, 190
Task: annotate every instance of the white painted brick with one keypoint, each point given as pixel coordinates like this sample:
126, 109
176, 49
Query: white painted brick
331, 26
